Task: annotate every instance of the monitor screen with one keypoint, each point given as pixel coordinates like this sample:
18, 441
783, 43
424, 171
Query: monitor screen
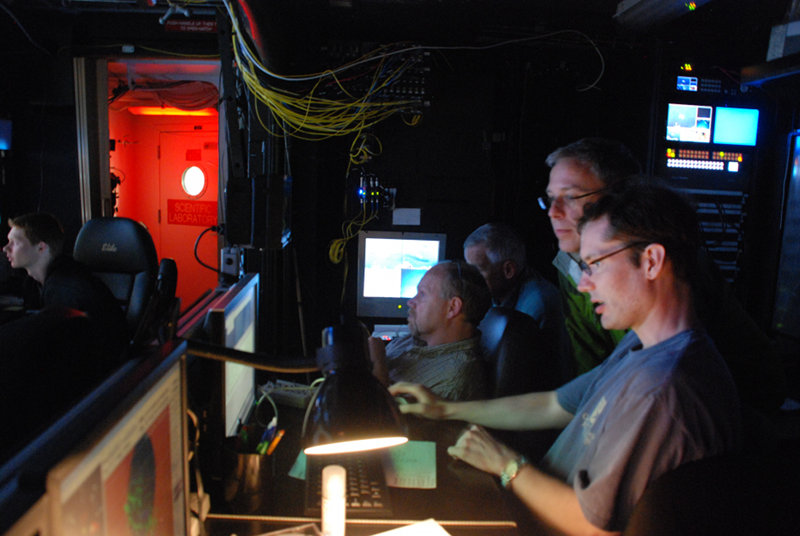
232, 322
5, 134
686, 83
689, 122
390, 265
736, 126
130, 475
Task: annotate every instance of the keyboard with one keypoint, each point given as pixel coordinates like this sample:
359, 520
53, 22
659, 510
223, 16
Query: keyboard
367, 492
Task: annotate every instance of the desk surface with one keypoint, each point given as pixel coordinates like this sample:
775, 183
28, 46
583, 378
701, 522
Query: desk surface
466, 501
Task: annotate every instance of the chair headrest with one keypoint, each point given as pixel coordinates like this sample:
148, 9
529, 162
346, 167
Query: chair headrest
116, 245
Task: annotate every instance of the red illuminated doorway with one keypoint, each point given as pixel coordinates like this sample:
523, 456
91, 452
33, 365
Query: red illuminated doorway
184, 215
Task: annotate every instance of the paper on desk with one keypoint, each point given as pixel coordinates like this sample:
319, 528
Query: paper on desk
429, 527
411, 465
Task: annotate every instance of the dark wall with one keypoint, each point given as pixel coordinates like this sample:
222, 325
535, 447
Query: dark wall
36, 94
477, 155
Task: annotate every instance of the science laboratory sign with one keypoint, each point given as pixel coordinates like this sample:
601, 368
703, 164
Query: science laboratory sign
185, 212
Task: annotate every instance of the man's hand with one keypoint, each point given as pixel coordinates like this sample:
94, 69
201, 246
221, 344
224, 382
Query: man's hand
424, 403
479, 449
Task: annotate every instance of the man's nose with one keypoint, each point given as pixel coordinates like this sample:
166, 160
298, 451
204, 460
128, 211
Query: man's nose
556, 209
585, 283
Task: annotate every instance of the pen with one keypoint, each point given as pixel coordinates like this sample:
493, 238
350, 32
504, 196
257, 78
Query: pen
274, 442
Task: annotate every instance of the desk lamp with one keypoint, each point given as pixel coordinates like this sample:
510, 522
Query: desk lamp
352, 410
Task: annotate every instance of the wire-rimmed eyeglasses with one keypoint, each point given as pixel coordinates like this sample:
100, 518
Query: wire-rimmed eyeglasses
586, 267
545, 201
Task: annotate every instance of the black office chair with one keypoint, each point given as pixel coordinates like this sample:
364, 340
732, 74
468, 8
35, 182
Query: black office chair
519, 357
160, 320
121, 253
731, 495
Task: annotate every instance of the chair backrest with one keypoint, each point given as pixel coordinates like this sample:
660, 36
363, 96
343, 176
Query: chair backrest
160, 319
120, 252
520, 358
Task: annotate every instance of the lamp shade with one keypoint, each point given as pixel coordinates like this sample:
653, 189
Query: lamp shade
352, 410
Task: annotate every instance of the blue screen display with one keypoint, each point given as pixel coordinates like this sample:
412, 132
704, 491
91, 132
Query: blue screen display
5, 134
736, 126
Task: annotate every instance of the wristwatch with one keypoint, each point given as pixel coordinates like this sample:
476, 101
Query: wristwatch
512, 469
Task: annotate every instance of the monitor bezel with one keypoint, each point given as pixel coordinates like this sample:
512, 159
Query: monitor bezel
372, 307
116, 422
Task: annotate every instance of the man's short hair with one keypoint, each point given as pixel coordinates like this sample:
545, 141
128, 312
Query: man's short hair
502, 243
466, 282
610, 160
41, 227
645, 209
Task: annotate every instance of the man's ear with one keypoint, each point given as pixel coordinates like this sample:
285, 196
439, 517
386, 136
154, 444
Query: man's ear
454, 307
653, 259
509, 269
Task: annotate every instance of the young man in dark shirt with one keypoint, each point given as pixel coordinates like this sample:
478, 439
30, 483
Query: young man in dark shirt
35, 244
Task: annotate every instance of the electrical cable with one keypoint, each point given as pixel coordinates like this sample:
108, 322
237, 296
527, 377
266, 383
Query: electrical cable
216, 229
23, 30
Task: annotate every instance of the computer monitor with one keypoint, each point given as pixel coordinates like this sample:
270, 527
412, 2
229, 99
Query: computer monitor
5, 134
130, 475
231, 321
390, 265
786, 308
707, 124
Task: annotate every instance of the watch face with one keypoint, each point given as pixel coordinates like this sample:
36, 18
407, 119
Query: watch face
512, 468
509, 472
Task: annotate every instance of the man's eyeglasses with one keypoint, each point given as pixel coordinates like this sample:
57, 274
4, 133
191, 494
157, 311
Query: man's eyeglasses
545, 202
586, 267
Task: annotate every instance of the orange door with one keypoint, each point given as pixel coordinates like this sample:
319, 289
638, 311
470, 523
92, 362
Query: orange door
184, 215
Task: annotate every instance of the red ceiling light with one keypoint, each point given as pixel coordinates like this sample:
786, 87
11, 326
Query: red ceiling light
166, 110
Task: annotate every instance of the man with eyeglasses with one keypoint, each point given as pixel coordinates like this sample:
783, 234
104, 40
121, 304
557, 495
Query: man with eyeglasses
580, 174
442, 350
663, 398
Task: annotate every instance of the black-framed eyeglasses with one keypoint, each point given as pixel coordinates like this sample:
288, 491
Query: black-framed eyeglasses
458, 268
586, 267
545, 201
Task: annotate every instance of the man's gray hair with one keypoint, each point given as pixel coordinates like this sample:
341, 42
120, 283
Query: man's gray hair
502, 243
610, 160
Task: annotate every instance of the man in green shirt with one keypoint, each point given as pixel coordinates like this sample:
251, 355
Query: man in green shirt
580, 173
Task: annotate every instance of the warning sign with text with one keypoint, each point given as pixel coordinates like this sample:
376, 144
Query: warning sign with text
186, 212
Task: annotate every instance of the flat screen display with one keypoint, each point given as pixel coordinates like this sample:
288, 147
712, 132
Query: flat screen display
736, 126
5, 134
132, 479
689, 122
703, 123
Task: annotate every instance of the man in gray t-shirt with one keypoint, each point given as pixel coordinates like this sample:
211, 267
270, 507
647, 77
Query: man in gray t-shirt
663, 398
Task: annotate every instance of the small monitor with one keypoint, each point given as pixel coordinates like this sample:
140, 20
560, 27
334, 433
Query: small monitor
390, 265
689, 122
5, 134
736, 126
686, 83
232, 322
130, 475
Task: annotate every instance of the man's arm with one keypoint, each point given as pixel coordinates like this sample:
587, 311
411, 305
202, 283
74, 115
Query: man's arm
531, 411
377, 354
550, 499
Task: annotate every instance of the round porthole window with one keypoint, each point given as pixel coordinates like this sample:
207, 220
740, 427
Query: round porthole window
193, 181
